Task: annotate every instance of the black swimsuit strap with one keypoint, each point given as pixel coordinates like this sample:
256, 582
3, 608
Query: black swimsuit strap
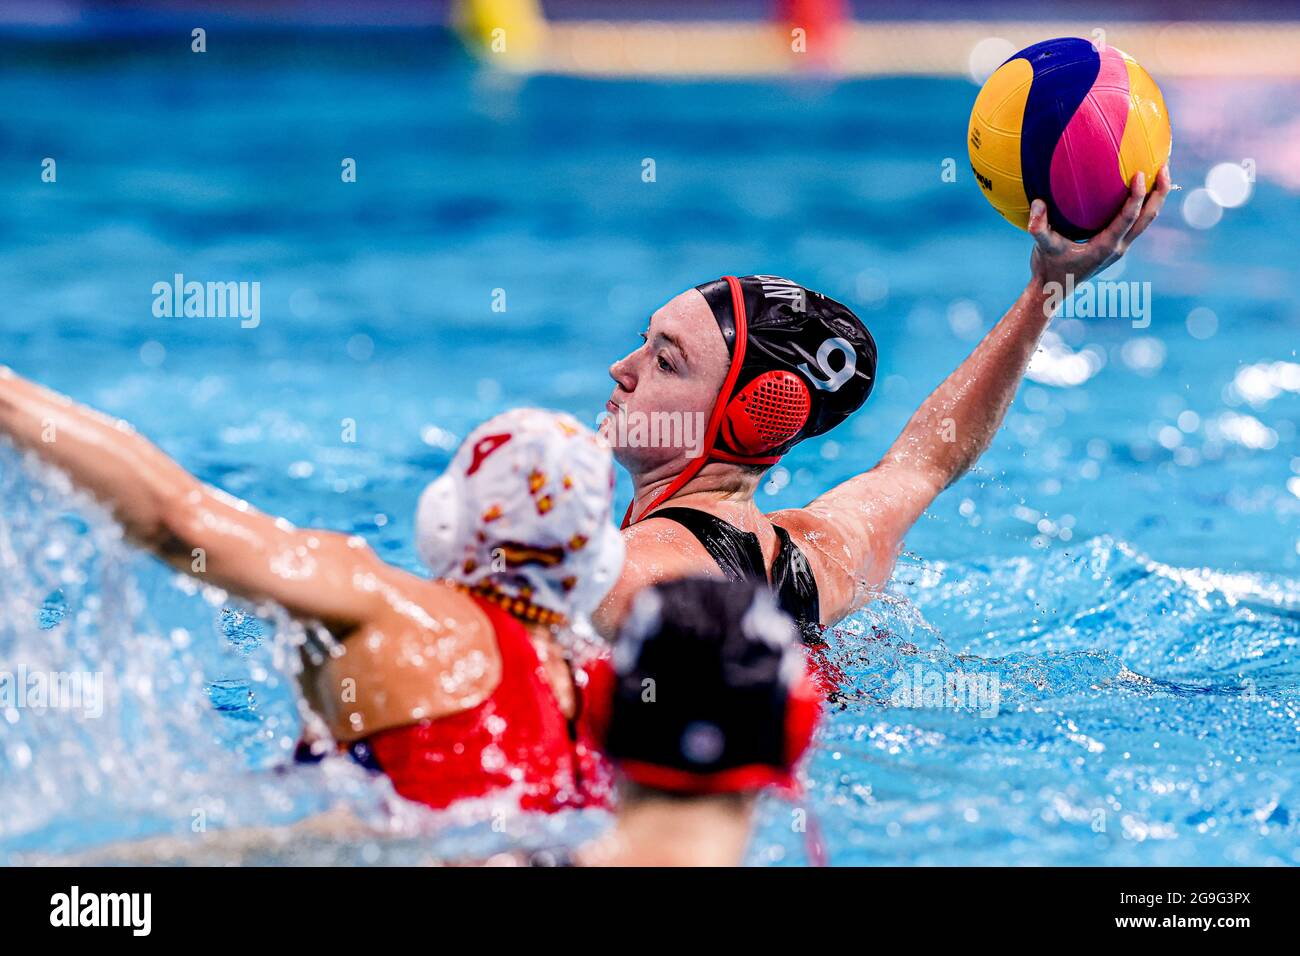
795, 586
737, 552
740, 557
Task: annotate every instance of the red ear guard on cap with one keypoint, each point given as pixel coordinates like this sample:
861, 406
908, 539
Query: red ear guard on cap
721, 411
598, 698
765, 413
801, 363
804, 710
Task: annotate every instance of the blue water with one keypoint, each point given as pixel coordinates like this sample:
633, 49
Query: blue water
1125, 560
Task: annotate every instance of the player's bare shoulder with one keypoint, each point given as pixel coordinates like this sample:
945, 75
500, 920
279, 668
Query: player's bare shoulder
657, 550
430, 651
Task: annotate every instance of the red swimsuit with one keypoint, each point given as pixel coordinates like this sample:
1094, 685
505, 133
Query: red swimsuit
517, 739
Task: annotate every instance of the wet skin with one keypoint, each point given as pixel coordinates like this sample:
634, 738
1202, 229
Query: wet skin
850, 535
415, 648
419, 649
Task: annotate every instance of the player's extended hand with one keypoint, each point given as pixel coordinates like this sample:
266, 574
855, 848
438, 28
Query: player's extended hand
1055, 257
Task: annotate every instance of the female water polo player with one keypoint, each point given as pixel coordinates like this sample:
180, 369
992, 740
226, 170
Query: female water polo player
768, 363
455, 687
731, 714
704, 704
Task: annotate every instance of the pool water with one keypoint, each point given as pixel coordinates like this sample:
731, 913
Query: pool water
1124, 561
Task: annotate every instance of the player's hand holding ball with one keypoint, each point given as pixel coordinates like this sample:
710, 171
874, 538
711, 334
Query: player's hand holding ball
1070, 140
1055, 257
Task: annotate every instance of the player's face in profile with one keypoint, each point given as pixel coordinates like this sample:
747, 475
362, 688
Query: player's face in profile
675, 374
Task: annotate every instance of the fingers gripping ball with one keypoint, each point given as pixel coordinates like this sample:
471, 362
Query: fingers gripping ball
1069, 123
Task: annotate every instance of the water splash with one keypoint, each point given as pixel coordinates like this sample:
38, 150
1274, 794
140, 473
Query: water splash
53, 610
241, 629
163, 756
1145, 713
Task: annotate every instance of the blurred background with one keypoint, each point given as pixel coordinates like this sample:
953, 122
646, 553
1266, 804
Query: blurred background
1125, 557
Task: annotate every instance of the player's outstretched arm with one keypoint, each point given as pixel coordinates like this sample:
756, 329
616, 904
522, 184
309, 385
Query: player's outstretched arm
196, 528
865, 519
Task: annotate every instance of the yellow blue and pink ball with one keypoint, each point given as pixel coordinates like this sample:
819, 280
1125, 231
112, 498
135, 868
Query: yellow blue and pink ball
1069, 122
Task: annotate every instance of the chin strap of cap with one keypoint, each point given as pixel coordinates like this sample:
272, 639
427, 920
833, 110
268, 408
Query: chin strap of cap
709, 453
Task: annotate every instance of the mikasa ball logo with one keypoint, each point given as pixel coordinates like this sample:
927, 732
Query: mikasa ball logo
133, 910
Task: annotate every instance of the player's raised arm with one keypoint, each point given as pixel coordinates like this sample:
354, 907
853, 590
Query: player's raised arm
194, 527
872, 512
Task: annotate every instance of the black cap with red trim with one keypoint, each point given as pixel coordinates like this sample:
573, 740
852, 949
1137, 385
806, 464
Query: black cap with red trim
801, 363
708, 690
806, 363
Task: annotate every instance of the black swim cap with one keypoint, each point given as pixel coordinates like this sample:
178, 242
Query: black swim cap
805, 363
708, 690
801, 363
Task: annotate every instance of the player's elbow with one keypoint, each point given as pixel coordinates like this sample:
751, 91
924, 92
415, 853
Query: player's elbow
919, 476
168, 523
